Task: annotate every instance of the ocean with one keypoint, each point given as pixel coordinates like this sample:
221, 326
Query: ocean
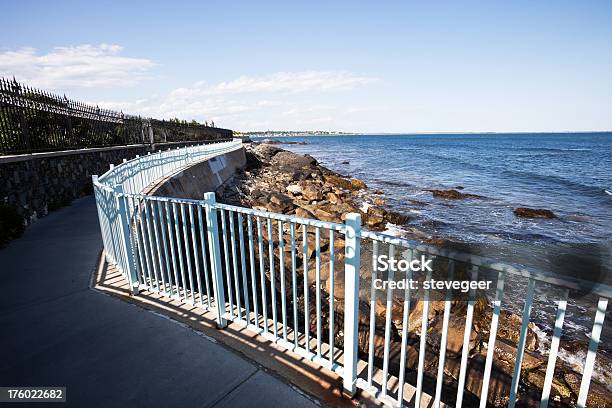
567, 173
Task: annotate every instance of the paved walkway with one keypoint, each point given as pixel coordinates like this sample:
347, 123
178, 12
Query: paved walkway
55, 331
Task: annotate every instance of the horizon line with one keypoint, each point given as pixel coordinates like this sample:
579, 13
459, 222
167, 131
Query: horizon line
347, 133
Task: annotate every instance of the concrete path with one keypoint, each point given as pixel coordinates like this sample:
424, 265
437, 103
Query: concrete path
55, 331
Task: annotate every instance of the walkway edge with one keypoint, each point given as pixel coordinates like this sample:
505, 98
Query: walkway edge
319, 385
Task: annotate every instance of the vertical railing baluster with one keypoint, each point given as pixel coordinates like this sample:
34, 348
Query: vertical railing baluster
173, 254
331, 297
245, 288
554, 349
294, 284
154, 206
406, 313
281, 262
196, 257
131, 273
422, 345
388, 317
143, 226
467, 332
179, 249
372, 312
272, 278
201, 222
318, 286
520, 348
232, 228
252, 268
153, 264
492, 335
228, 272
215, 254
262, 276
306, 288
443, 338
163, 224
589, 363
352, 251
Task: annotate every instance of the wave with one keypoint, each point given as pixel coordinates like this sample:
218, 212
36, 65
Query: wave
552, 149
585, 189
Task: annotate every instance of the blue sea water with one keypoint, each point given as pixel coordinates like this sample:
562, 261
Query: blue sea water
567, 173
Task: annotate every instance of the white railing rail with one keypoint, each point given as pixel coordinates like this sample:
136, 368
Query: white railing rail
278, 275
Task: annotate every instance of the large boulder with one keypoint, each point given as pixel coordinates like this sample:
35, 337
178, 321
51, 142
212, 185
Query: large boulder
338, 181
266, 151
375, 216
289, 161
396, 218
357, 184
525, 212
451, 194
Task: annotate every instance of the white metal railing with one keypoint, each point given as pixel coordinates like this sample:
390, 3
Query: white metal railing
263, 269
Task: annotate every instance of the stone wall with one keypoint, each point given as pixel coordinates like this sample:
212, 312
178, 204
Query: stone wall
33, 185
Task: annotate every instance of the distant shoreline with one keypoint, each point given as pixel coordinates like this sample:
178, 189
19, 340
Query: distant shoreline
281, 134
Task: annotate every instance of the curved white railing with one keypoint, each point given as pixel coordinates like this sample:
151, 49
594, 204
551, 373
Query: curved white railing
222, 257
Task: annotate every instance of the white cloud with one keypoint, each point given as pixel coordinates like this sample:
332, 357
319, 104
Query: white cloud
294, 82
80, 66
245, 101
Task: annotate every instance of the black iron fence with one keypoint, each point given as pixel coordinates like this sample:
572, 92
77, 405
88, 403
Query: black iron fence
32, 120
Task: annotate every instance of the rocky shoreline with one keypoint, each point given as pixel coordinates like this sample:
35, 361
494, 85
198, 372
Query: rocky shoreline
280, 181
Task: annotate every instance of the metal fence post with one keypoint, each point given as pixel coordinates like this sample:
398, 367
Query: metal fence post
126, 244
215, 255
352, 251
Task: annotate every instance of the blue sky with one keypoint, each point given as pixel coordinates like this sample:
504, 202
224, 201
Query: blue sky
349, 66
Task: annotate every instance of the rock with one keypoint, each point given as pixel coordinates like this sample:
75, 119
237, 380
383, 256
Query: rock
301, 212
506, 355
325, 215
454, 340
599, 396
379, 201
558, 387
333, 198
345, 162
288, 161
525, 212
294, 189
436, 241
510, 328
338, 181
345, 207
252, 161
396, 218
280, 199
266, 151
375, 216
274, 202
310, 191
452, 194
379, 192
357, 184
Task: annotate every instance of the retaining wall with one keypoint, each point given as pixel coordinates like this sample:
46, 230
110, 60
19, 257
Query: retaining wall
195, 180
31, 185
